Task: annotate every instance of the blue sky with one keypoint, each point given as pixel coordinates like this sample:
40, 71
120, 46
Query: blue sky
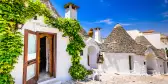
132, 14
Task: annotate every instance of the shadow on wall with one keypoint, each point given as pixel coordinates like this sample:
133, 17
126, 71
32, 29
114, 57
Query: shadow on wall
110, 62
92, 52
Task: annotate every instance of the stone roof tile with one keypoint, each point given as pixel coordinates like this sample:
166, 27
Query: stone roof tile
119, 41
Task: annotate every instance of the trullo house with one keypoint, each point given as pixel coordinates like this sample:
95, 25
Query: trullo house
121, 52
45, 59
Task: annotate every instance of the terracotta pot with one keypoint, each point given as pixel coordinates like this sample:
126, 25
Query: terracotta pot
90, 33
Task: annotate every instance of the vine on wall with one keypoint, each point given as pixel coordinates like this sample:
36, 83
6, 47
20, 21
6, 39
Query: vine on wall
13, 12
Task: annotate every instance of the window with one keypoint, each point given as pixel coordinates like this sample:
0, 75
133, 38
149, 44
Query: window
144, 63
35, 17
130, 63
81, 53
166, 51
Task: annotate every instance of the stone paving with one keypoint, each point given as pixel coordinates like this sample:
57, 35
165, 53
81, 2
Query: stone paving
126, 79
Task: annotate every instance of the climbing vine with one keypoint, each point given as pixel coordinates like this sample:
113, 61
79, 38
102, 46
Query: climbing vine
71, 29
14, 12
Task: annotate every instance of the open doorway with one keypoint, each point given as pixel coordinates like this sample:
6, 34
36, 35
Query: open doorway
43, 60
46, 57
151, 64
39, 57
130, 64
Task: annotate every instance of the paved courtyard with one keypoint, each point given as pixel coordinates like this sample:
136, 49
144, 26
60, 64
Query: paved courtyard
127, 79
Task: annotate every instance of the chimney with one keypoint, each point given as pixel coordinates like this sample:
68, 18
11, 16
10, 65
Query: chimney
97, 35
71, 10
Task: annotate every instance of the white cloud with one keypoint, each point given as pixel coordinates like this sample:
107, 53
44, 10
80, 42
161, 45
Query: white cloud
165, 14
107, 21
125, 24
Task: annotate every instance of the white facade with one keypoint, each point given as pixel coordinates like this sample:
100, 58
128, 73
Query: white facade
97, 36
91, 50
71, 13
153, 38
133, 33
119, 63
63, 59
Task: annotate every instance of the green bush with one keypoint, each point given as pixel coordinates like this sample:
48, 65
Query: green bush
6, 79
90, 72
78, 72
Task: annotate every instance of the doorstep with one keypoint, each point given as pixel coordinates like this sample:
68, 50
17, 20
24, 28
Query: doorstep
50, 81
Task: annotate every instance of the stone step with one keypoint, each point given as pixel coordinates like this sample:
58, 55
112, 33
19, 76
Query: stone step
150, 71
50, 81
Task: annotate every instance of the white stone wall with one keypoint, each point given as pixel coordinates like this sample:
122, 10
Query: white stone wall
139, 66
71, 13
133, 33
63, 59
97, 36
160, 66
154, 39
166, 67
84, 58
119, 63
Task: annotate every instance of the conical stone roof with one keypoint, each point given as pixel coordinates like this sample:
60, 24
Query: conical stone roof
143, 41
50, 6
119, 41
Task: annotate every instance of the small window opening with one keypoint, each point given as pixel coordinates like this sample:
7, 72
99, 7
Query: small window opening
81, 53
144, 63
166, 52
35, 17
130, 63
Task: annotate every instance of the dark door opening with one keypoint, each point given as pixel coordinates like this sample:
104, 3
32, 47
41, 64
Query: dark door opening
130, 62
43, 72
43, 54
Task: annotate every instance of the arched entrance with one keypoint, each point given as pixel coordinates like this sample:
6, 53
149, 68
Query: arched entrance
92, 57
150, 61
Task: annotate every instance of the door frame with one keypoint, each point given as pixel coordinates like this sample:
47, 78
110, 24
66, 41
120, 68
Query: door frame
54, 54
25, 61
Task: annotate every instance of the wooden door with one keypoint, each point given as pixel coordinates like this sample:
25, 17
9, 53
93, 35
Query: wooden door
50, 48
50, 39
30, 65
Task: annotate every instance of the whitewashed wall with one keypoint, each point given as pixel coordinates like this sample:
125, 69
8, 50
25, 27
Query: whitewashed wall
154, 39
166, 67
139, 65
63, 58
160, 66
133, 33
84, 59
119, 63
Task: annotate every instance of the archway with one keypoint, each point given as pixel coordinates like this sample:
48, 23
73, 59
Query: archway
92, 57
150, 61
